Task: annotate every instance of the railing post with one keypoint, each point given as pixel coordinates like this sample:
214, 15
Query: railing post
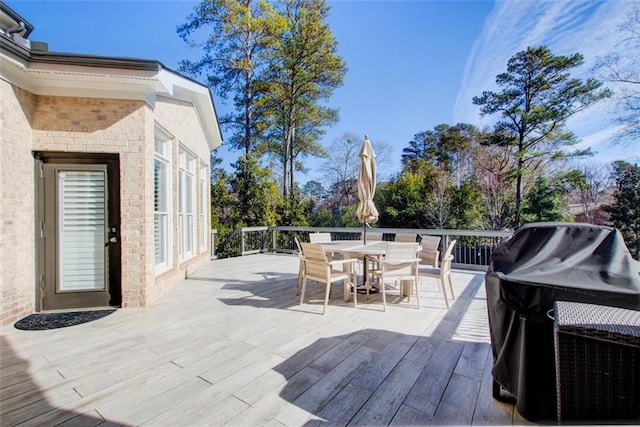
241, 241
213, 243
273, 240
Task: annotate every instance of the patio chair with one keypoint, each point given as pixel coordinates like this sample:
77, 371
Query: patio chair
301, 266
374, 236
400, 263
429, 254
442, 273
371, 259
318, 267
405, 238
319, 237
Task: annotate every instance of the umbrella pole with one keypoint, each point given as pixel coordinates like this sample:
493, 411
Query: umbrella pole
364, 233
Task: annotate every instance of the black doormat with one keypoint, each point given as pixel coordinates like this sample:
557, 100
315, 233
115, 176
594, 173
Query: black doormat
42, 321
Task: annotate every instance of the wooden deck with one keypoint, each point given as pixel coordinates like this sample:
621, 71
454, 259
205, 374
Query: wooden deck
231, 346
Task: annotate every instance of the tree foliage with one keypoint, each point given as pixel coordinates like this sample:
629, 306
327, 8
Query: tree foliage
235, 37
256, 194
221, 199
537, 96
401, 202
303, 70
467, 207
591, 184
493, 166
623, 72
446, 147
545, 202
625, 211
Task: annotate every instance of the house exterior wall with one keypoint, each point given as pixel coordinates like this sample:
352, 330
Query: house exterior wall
17, 209
90, 125
180, 120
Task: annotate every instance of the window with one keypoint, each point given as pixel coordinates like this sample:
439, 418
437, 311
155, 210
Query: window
186, 205
162, 200
82, 229
204, 224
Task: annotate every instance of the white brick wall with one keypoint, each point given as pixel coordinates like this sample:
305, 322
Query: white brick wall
17, 247
88, 125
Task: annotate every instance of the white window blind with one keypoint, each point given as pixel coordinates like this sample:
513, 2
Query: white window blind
82, 230
161, 211
162, 201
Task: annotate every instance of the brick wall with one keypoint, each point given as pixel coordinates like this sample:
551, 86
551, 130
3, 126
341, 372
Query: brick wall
17, 186
89, 125
180, 120
108, 126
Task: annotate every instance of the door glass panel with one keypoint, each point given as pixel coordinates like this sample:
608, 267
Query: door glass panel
82, 230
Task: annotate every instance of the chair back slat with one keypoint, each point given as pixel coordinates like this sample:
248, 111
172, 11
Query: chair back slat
400, 251
315, 260
319, 237
429, 252
405, 238
374, 237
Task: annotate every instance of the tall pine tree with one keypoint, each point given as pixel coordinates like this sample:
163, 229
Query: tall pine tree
537, 97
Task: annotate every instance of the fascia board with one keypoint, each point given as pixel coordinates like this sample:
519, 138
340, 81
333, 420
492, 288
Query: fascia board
68, 80
180, 87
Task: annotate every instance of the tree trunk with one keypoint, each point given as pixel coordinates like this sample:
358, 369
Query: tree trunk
285, 163
292, 161
247, 114
518, 192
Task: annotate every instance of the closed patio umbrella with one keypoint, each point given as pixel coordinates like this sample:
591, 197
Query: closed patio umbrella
367, 212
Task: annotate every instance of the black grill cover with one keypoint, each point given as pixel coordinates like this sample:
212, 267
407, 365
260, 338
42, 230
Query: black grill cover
543, 263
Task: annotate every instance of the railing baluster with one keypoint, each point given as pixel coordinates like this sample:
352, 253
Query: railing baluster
473, 250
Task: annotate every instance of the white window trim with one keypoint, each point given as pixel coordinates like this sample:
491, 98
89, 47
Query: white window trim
187, 171
164, 138
204, 209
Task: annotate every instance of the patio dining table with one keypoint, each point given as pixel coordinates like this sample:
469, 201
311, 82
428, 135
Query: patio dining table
357, 248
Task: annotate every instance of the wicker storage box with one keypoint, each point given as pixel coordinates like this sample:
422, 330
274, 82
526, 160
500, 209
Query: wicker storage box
597, 350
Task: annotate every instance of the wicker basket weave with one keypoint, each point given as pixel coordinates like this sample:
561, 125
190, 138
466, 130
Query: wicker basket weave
597, 350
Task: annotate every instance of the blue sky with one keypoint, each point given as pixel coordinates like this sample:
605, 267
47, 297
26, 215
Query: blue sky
412, 64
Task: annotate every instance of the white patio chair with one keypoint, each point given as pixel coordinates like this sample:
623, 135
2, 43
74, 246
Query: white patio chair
301, 266
319, 268
405, 238
319, 237
429, 254
400, 263
374, 236
371, 259
443, 273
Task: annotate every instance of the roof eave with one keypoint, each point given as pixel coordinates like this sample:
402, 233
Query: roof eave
64, 74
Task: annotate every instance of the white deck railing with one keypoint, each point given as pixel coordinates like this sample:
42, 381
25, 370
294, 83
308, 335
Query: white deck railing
472, 251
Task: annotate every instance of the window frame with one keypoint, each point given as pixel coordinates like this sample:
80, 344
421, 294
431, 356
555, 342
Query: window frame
162, 155
186, 203
204, 233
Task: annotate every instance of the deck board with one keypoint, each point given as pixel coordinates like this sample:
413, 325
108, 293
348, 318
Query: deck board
231, 345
